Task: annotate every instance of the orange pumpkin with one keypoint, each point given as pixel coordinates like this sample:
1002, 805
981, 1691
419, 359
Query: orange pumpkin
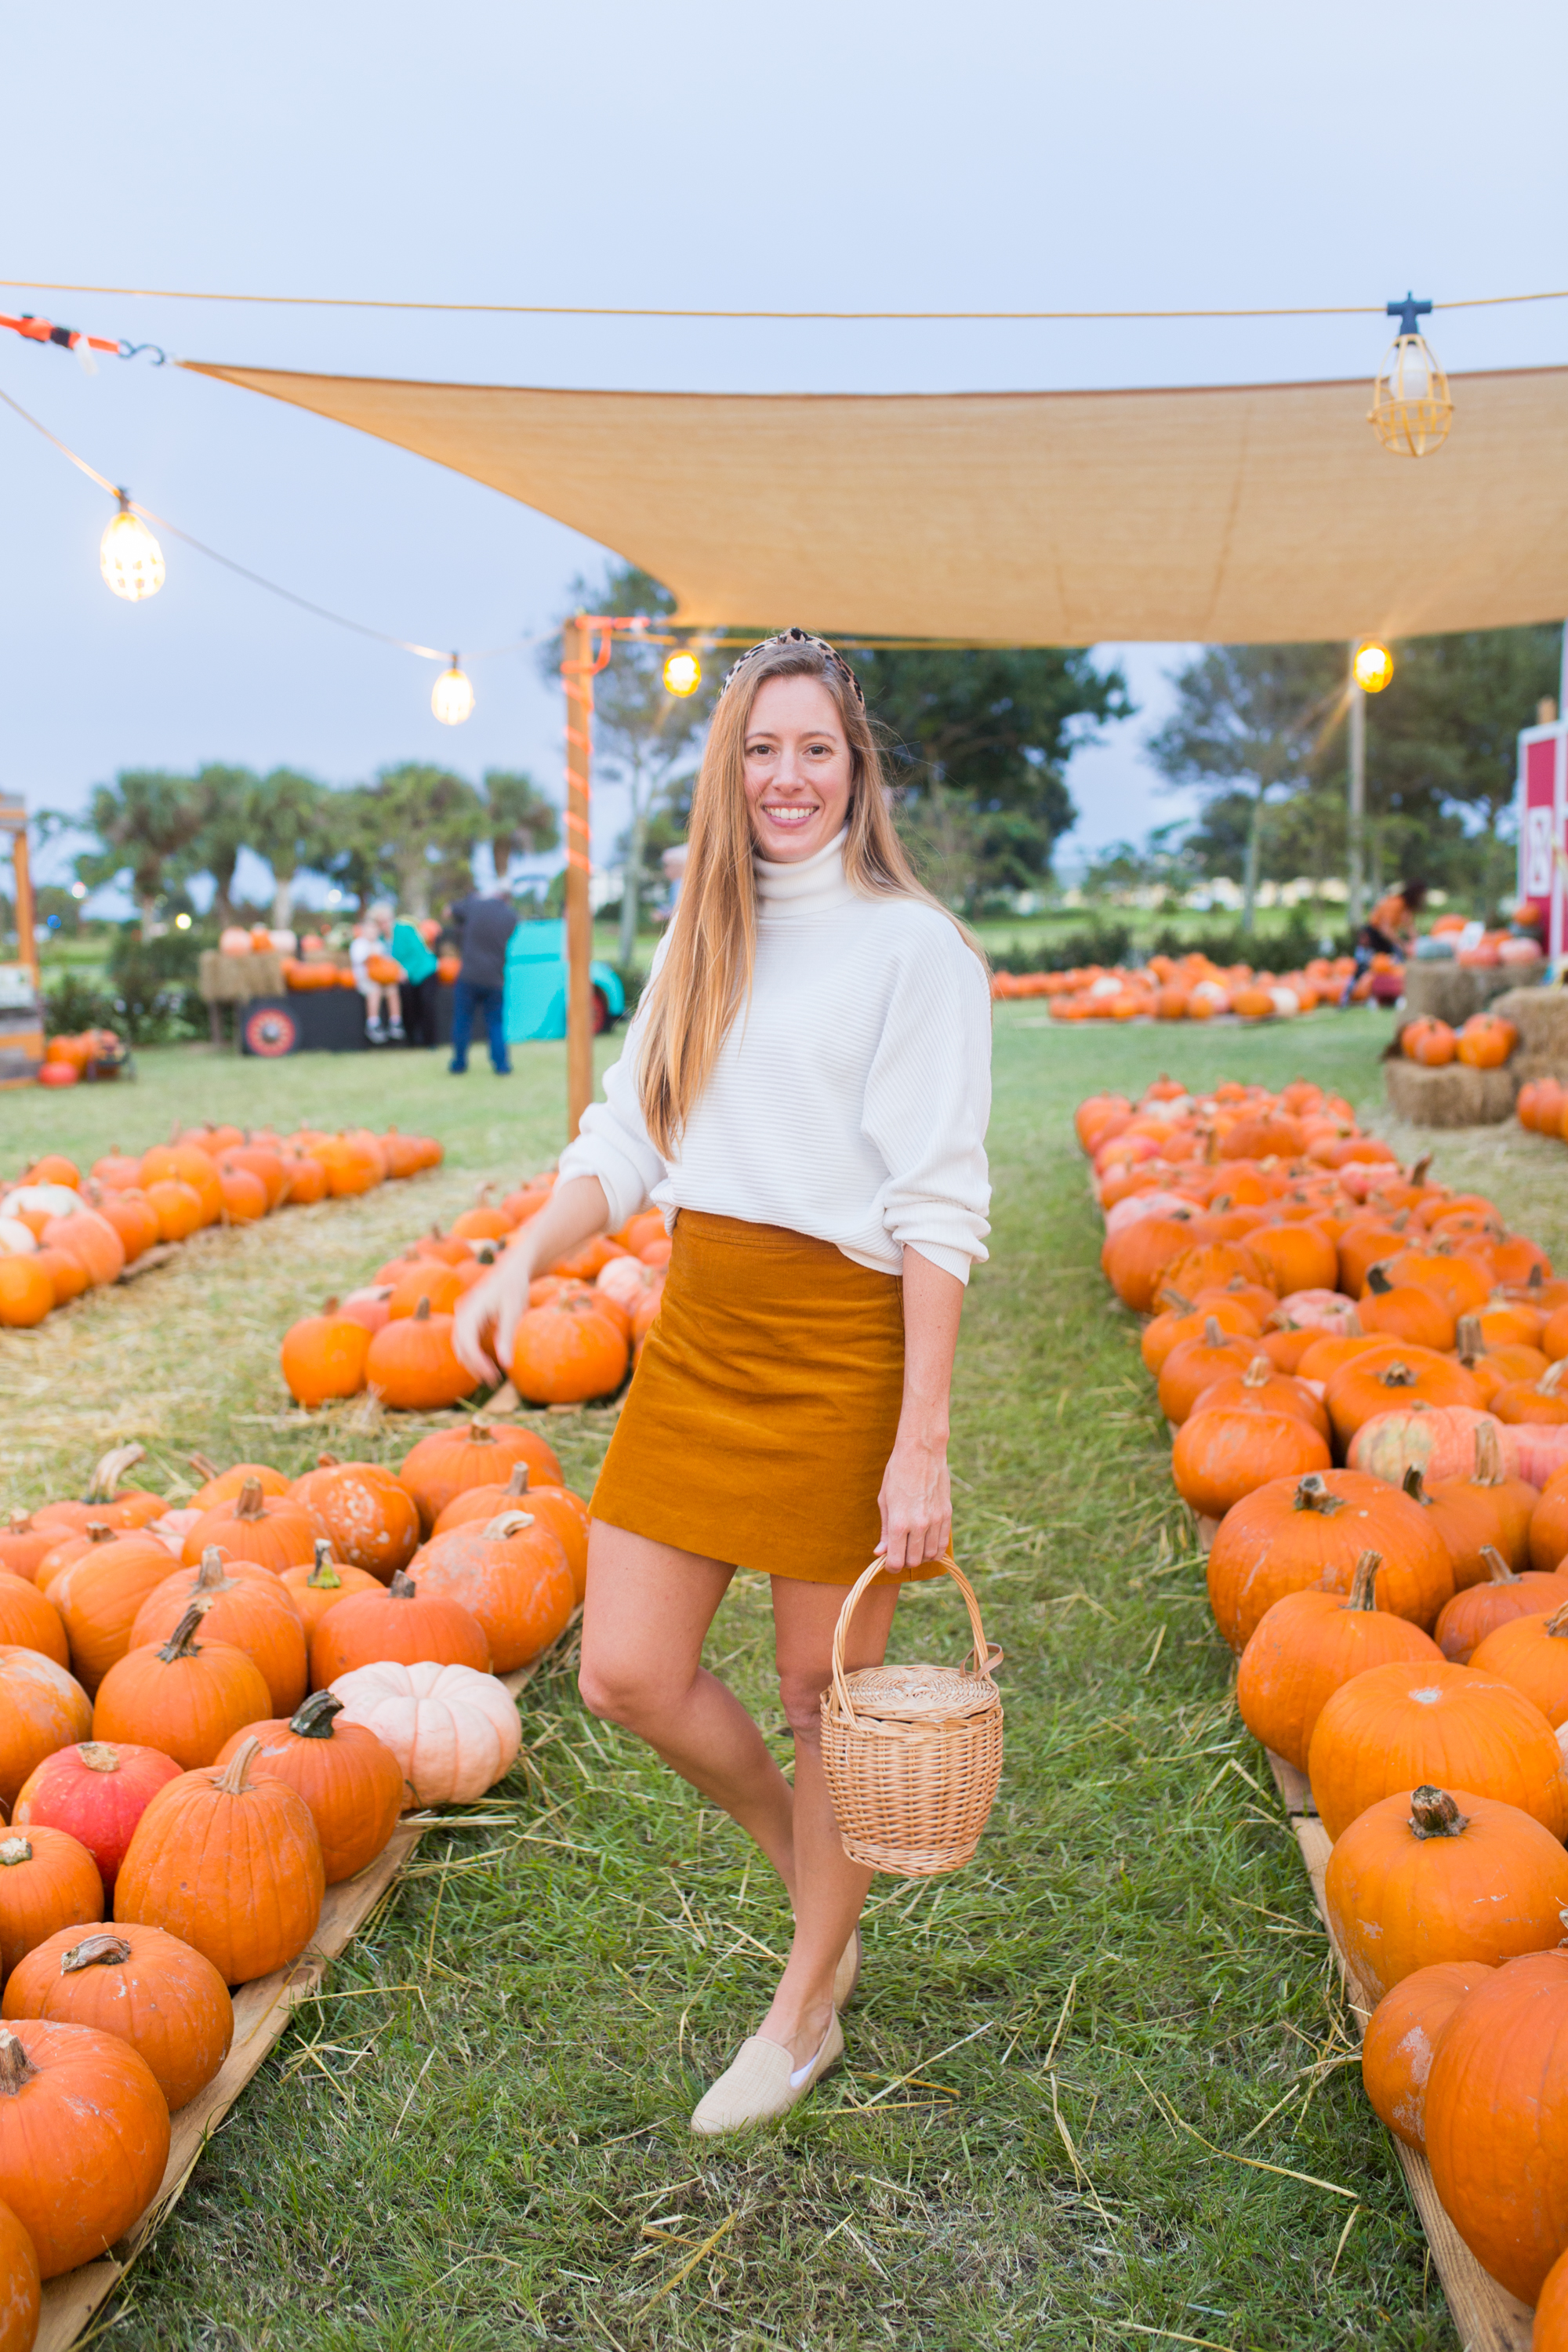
368, 1514
91, 1240
1294, 1533
97, 1794
351, 1781
1397, 1727
400, 1625
1549, 2332
1221, 1457
1466, 1620
1401, 2037
183, 1697
450, 1462
1179, 1321
1549, 1525
1439, 1874
1260, 1389
1487, 1509
320, 1586
225, 1485
513, 1572
1296, 1256
1496, 2120
1531, 1652
261, 1161
48, 1880
1462, 1283
1406, 1311
67, 1275
19, 2285
98, 1597
1541, 1400
184, 1163
147, 1989
1194, 1365
1306, 1645
440, 1286
323, 1357
1213, 1265
568, 1351
177, 1209
23, 1543
84, 2138
229, 1865
1486, 1041
1365, 1387
244, 1605
1135, 1260
565, 1513
415, 1366
272, 1530
41, 1708
29, 1620
26, 1294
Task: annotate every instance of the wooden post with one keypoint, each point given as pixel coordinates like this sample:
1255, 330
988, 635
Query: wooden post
27, 942
577, 675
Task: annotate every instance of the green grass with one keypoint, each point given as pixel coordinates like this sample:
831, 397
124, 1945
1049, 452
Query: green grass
464, 2144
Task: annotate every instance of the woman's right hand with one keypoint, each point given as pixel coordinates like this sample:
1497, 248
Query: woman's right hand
489, 1312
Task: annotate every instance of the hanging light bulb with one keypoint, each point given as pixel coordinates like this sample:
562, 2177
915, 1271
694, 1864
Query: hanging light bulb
1411, 409
1372, 666
452, 696
682, 673
128, 557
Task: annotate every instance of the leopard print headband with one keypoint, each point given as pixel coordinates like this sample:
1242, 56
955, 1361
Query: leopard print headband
791, 637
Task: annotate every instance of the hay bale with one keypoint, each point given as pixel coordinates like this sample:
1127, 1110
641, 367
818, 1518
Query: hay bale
1444, 991
1454, 1096
236, 978
1540, 1016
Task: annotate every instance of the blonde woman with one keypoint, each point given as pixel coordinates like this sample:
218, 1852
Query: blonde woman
804, 1092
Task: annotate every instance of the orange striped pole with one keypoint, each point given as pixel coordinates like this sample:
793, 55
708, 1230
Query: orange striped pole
579, 667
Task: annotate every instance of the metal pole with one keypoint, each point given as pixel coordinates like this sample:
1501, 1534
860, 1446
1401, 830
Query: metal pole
577, 675
1355, 832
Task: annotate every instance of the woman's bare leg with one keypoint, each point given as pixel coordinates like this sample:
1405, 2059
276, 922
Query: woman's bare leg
648, 1610
829, 1890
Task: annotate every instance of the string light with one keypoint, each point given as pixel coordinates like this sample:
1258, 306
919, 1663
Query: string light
128, 557
1411, 408
682, 673
452, 696
1372, 666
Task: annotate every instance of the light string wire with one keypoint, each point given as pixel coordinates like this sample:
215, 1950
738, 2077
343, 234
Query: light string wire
649, 310
321, 612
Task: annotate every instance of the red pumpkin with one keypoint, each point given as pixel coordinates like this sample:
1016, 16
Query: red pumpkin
351, 1781
97, 1793
143, 1987
84, 2138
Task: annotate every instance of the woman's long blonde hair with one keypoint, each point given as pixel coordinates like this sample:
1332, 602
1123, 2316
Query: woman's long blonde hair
706, 976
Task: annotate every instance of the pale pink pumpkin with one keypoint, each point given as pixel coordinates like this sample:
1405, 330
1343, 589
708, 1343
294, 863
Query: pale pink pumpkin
454, 1730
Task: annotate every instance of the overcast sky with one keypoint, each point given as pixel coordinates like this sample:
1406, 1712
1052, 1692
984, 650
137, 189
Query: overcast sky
861, 154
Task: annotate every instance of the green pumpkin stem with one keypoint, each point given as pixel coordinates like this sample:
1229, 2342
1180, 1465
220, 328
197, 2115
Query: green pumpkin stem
314, 1719
97, 1952
324, 1577
1434, 1814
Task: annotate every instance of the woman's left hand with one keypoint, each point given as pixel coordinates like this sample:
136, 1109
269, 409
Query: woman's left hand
916, 1500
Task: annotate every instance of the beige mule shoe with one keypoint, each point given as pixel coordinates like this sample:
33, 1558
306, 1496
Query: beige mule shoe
846, 1975
763, 2081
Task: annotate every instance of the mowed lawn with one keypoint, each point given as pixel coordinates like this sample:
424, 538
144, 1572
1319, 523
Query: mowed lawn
478, 2136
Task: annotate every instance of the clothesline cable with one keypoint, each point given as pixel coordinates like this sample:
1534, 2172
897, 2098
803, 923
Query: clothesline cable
650, 310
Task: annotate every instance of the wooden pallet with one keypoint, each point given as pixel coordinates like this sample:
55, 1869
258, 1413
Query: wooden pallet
261, 2014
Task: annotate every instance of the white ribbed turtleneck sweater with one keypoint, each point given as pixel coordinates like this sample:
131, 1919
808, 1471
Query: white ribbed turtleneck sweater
849, 1099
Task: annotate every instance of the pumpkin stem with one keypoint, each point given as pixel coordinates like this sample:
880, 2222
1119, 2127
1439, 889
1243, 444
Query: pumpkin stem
330, 1305
1311, 1494
1259, 1373
12, 1851
204, 1466
481, 1433
1489, 1456
1468, 1343
518, 1482
19, 1523
1364, 1582
17, 2069
1535, 1279
97, 1952
1378, 1283
182, 1642
510, 1523
110, 1471
422, 1312
402, 1586
1418, 1168
1497, 1568
232, 1779
252, 1503
1557, 1624
98, 1755
324, 1577
314, 1719
210, 1577
1413, 1485
1213, 1336
326, 1461
99, 1531
1434, 1814
1397, 1376
1547, 1383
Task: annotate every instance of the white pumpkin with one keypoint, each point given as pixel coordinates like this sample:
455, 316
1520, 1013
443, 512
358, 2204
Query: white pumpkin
627, 1279
15, 1238
40, 1201
235, 942
454, 1730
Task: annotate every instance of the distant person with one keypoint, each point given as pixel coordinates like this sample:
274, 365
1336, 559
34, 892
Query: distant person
1389, 929
483, 922
383, 1003
411, 950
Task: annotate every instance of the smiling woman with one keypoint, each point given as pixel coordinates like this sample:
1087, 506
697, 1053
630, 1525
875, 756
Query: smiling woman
805, 1094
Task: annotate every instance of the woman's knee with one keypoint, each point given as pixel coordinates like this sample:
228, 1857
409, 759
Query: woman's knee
621, 1689
800, 1693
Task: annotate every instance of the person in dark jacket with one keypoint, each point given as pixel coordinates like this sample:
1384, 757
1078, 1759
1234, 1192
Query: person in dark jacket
483, 923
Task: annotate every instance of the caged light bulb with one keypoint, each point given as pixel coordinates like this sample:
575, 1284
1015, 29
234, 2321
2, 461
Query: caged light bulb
452, 696
128, 557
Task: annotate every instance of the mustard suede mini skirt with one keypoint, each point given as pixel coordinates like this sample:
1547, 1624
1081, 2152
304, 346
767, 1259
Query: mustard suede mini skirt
758, 1425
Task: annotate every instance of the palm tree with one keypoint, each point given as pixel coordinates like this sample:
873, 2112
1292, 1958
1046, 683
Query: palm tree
520, 818
145, 821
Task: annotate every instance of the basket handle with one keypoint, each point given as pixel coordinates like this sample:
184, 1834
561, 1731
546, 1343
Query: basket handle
985, 1657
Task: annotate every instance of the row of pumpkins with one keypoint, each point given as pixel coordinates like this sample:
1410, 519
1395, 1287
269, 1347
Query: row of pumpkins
1484, 1043
308, 963
1362, 1370
62, 1232
208, 1715
1192, 988
587, 1315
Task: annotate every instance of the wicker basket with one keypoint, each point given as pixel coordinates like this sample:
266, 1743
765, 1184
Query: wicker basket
912, 1754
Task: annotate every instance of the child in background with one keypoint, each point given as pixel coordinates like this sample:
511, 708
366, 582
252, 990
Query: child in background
368, 949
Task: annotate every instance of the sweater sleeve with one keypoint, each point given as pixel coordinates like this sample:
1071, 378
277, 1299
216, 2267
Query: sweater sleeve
928, 1102
613, 1143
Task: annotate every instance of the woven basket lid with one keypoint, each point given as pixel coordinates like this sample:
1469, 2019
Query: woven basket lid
915, 1693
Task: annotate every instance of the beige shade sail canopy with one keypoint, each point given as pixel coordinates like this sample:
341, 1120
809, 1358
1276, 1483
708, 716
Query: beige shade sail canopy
1246, 513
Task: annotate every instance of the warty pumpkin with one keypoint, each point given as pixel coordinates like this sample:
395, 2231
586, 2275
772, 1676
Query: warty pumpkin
453, 1731
29, 1621
1434, 1875
369, 1515
400, 1623
569, 1351
320, 1586
348, 1777
229, 1865
415, 1366
272, 1530
1496, 2120
1399, 1727
144, 1986
239, 1603
1297, 1532
1306, 1645
1477, 1613
448, 1463
19, 2285
513, 1573
41, 1708
1402, 2037
84, 2138
1219, 1458
185, 1696
48, 1880
566, 1514
1486, 1510
1531, 1652
97, 1793
323, 1356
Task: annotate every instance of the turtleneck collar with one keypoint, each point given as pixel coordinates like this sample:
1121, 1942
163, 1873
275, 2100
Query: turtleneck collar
807, 887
